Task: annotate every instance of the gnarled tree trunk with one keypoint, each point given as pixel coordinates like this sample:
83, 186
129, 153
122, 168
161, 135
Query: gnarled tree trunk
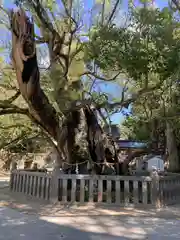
25, 64
79, 138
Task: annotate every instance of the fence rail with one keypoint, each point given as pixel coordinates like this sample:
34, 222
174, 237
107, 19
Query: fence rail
119, 190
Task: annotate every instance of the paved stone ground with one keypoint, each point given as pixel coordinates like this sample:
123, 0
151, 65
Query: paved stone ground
23, 218
15, 225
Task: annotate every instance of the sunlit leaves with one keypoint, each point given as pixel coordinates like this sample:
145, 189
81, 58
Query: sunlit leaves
77, 66
142, 51
50, 4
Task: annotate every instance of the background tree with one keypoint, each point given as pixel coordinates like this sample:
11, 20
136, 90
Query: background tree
146, 50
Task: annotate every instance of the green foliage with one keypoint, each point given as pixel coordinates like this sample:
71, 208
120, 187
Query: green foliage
17, 132
136, 129
148, 48
145, 51
50, 4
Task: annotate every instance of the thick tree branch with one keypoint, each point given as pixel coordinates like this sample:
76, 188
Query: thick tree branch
14, 111
41, 13
15, 140
113, 11
5, 104
14, 97
14, 126
95, 75
125, 103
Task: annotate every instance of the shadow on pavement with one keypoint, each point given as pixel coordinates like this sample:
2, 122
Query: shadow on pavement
16, 226
42, 220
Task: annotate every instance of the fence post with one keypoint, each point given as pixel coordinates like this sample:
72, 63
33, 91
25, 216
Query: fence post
155, 188
11, 181
54, 184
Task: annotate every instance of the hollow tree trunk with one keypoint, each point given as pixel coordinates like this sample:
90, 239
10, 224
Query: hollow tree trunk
87, 144
77, 147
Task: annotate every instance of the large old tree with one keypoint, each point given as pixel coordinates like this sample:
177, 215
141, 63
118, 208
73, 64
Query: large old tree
138, 51
73, 129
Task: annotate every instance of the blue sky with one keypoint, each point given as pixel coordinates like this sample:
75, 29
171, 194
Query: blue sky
109, 88
160, 3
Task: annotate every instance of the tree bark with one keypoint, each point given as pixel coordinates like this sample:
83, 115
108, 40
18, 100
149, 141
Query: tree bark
28, 76
173, 159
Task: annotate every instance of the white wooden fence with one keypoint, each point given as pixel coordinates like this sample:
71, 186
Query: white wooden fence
119, 190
